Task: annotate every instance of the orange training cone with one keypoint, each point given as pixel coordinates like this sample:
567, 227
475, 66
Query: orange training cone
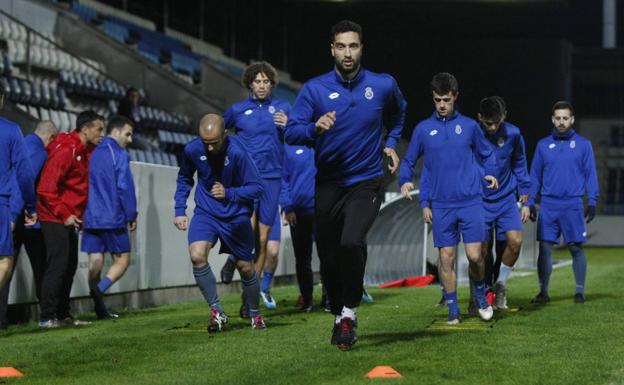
383, 372
9, 371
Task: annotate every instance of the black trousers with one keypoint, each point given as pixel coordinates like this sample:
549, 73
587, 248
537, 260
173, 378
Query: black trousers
61, 244
302, 235
32, 239
343, 217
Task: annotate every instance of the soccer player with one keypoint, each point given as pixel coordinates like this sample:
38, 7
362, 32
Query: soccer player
259, 123
500, 205
342, 114
111, 211
297, 201
451, 187
13, 164
227, 185
562, 171
30, 236
270, 265
61, 201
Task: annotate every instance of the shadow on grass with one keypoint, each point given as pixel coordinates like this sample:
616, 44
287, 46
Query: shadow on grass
387, 338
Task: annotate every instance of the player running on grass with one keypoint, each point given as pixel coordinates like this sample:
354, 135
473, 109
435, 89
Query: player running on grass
453, 147
228, 183
500, 205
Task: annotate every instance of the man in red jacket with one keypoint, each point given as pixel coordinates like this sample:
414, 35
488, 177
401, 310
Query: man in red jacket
61, 201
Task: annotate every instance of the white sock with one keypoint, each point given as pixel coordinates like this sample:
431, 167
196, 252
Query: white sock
348, 312
503, 274
338, 318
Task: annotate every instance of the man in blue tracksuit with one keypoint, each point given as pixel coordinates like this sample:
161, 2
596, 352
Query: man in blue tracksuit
563, 169
111, 211
500, 205
342, 115
454, 148
227, 185
30, 236
259, 123
13, 164
297, 202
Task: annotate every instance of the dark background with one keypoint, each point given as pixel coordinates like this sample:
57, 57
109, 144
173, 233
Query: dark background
524, 50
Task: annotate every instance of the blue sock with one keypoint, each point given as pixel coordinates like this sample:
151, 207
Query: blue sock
451, 301
251, 293
207, 285
104, 284
480, 290
544, 265
579, 265
267, 277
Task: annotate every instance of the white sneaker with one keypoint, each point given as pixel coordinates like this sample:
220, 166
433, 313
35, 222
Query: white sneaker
268, 300
500, 293
486, 313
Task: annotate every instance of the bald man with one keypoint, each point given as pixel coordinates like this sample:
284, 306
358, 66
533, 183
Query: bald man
228, 183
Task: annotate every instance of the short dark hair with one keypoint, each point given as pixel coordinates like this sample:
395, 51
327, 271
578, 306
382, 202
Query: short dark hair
118, 122
562, 105
86, 118
131, 90
346, 26
443, 83
492, 107
256, 68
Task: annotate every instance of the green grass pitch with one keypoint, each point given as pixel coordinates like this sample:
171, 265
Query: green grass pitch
559, 343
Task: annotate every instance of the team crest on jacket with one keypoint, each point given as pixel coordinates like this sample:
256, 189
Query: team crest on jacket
551, 146
271, 110
203, 157
299, 152
573, 144
249, 112
501, 141
334, 95
458, 129
78, 158
226, 161
433, 132
368, 93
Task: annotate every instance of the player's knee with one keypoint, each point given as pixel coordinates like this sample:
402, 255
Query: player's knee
575, 247
198, 258
245, 269
514, 243
122, 261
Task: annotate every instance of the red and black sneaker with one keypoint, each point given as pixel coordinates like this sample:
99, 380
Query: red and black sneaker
348, 335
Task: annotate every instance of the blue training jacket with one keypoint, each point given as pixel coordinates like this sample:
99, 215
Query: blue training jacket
455, 152
563, 168
511, 165
14, 165
111, 203
352, 150
37, 156
298, 174
253, 121
233, 168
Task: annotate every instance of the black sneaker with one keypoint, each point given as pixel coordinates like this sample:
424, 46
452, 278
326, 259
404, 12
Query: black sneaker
227, 271
579, 298
217, 321
348, 335
540, 299
325, 304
